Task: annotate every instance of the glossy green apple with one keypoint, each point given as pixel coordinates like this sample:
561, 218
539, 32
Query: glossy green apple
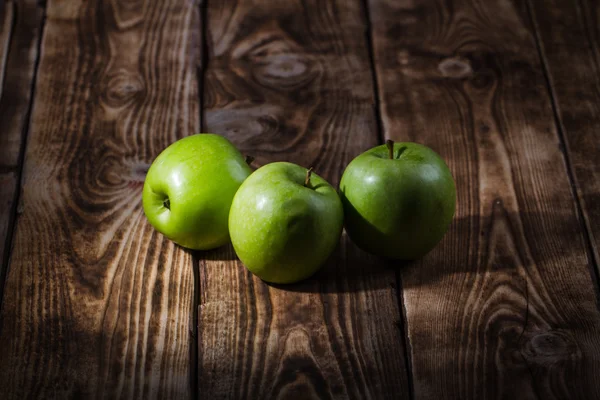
399, 200
189, 189
285, 222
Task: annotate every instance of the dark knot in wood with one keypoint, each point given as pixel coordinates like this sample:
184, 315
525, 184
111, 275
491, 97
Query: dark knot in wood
254, 127
286, 66
549, 347
455, 67
285, 71
122, 88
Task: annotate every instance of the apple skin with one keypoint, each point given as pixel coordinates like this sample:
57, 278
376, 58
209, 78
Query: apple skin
398, 208
282, 231
199, 176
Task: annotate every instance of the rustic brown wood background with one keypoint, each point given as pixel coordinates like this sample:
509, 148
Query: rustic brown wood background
96, 304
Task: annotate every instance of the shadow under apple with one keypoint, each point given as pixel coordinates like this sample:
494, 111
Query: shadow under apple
473, 244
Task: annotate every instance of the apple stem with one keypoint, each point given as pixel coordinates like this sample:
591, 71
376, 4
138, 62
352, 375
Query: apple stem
249, 160
307, 179
167, 204
390, 146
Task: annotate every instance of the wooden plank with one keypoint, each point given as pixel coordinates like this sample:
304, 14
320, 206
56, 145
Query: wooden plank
15, 106
6, 19
7, 177
290, 80
97, 304
505, 306
569, 39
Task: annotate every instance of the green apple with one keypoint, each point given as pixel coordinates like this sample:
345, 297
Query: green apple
399, 200
189, 189
285, 222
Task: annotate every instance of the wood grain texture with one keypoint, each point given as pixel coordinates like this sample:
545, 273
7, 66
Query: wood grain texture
15, 106
7, 177
97, 304
6, 21
505, 306
569, 38
290, 80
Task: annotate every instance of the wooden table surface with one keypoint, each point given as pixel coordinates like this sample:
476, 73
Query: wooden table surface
97, 304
